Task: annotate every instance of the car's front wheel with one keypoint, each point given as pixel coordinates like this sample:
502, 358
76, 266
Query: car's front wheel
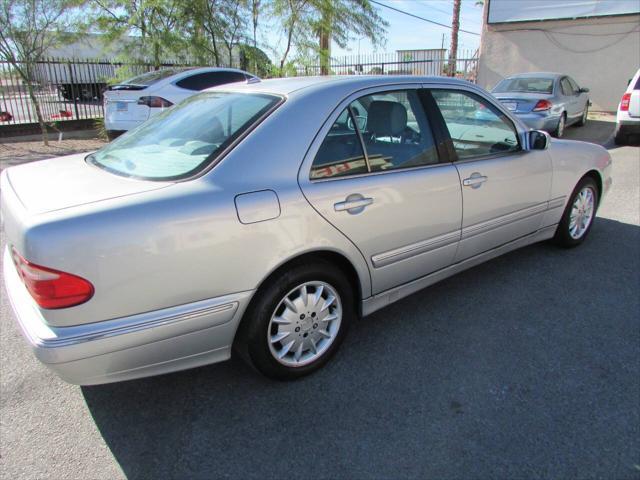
298, 321
578, 215
583, 119
620, 136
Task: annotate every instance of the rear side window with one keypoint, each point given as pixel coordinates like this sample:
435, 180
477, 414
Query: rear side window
476, 127
379, 132
184, 139
637, 87
341, 152
201, 81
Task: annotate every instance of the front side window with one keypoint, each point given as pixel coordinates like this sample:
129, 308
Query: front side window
567, 89
380, 132
476, 127
184, 139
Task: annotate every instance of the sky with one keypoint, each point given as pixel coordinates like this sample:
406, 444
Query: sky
407, 33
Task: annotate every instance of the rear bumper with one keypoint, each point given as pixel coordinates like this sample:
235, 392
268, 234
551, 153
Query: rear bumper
538, 121
141, 345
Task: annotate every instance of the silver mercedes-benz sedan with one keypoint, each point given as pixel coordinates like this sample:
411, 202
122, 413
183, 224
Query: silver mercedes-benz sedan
545, 101
262, 219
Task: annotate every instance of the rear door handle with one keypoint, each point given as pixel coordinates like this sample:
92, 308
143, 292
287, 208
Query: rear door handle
475, 180
354, 203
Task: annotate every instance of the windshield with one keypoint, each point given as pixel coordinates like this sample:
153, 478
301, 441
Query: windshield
525, 84
184, 139
150, 78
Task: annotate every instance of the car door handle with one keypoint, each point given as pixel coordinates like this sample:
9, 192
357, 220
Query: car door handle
354, 203
475, 180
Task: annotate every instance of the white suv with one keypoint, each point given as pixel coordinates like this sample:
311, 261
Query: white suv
628, 118
128, 104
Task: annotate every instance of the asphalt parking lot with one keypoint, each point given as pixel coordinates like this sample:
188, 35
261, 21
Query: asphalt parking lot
527, 366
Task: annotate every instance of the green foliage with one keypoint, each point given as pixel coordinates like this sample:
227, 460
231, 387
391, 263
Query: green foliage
28, 28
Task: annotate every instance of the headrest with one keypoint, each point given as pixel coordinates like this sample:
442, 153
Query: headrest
386, 118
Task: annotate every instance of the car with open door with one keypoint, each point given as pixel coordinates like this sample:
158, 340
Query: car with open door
263, 218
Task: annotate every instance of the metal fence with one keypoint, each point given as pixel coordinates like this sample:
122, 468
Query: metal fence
66, 89
404, 62
71, 89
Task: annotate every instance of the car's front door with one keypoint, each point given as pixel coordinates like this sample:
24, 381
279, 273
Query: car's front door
505, 189
374, 172
572, 99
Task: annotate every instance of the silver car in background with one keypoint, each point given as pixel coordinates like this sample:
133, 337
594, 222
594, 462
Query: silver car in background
544, 101
264, 218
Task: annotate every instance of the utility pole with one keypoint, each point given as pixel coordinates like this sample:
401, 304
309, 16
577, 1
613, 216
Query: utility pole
455, 26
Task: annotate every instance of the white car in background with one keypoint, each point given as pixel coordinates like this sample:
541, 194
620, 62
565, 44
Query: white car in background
628, 118
128, 104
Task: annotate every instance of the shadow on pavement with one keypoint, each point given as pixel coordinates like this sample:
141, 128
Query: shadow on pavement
526, 366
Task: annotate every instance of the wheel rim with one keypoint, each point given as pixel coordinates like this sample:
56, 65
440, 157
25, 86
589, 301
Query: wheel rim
581, 213
561, 126
585, 115
304, 324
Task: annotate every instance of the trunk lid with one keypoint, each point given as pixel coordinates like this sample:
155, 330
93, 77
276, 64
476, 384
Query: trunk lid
123, 105
70, 181
521, 102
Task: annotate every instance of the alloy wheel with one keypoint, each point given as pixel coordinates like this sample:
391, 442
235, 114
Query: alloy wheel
304, 324
582, 212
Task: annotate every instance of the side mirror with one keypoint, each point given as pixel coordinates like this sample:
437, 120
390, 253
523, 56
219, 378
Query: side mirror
538, 140
583, 90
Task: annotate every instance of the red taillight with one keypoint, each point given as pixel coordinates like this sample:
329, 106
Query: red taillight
624, 103
52, 288
542, 105
154, 102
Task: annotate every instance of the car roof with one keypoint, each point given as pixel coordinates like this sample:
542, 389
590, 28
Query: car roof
188, 71
288, 86
538, 74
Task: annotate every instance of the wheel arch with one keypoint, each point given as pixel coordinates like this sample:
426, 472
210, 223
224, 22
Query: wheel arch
334, 257
597, 177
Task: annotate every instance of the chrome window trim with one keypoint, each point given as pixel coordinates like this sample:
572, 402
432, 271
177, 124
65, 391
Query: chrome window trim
312, 151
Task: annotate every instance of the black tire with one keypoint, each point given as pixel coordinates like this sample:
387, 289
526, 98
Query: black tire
562, 126
562, 236
253, 344
620, 137
583, 119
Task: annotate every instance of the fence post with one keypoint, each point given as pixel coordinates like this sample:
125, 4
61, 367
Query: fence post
73, 90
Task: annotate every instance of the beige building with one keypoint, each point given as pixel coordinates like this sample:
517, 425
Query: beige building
601, 52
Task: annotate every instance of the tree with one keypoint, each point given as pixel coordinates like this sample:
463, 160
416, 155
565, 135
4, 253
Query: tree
341, 20
28, 28
310, 25
455, 27
156, 22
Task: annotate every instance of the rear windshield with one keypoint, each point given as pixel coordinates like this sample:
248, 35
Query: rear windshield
525, 85
150, 78
184, 139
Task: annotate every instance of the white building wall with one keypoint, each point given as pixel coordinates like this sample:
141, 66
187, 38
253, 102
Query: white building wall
600, 53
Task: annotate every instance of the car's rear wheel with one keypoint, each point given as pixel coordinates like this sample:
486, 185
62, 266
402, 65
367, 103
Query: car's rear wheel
298, 321
562, 124
620, 137
583, 119
578, 215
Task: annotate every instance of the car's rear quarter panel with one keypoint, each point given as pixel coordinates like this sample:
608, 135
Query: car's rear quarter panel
185, 243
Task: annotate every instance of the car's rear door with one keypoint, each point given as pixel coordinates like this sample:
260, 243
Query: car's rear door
375, 172
505, 189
